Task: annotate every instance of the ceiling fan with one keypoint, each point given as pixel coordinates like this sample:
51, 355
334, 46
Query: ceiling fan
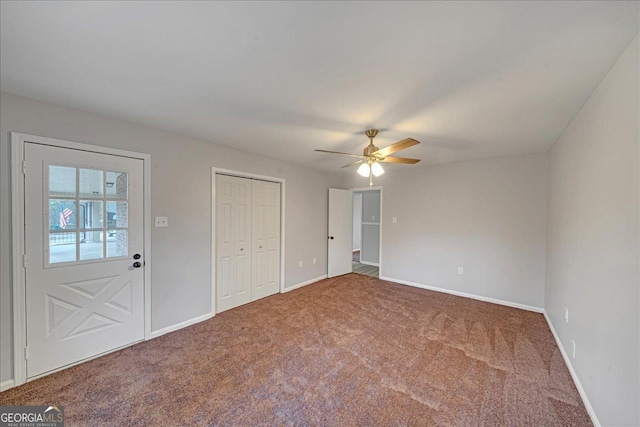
372, 156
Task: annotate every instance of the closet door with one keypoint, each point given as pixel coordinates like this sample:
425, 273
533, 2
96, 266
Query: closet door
266, 239
233, 247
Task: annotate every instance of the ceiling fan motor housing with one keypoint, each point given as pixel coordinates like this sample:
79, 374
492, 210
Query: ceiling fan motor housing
370, 149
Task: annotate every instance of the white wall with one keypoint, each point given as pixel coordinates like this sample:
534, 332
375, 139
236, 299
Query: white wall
370, 227
592, 252
181, 190
357, 221
487, 216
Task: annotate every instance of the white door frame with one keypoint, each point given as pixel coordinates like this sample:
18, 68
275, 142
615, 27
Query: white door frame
374, 188
240, 174
18, 141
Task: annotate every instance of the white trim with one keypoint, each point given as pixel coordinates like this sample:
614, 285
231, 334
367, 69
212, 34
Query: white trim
146, 161
374, 264
466, 295
17, 245
357, 250
574, 375
282, 182
18, 141
6, 385
374, 188
308, 282
160, 332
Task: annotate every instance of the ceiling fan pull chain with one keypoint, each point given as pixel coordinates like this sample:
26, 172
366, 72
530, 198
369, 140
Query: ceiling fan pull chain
370, 178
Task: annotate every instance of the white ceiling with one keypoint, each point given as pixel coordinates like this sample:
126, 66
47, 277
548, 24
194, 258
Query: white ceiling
469, 80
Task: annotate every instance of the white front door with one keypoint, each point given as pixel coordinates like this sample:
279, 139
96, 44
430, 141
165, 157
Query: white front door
266, 239
340, 232
233, 247
83, 229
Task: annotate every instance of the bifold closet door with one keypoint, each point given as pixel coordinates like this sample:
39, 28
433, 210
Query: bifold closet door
233, 241
266, 239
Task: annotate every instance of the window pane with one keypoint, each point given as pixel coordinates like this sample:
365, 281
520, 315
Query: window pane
91, 214
117, 185
62, 181
62, 214
62, 247
117, 243
90, 245
117, 214
90, 183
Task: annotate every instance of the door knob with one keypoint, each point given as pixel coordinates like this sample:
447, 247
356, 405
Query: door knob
242, 249
331, 237
136, 256
137, 264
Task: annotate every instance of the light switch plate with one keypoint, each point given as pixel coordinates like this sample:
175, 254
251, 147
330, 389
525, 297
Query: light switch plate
162, 221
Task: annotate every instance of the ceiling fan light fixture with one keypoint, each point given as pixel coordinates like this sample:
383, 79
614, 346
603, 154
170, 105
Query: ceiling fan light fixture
376, 169
364, 170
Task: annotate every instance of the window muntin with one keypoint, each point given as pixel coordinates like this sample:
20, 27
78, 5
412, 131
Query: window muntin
87, 215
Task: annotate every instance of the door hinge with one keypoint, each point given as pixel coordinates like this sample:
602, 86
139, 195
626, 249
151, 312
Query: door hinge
24, 167
24, 260
26, 353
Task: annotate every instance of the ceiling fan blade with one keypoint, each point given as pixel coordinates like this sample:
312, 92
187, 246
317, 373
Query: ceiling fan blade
352, 164
399, 160
400, 145
338, 152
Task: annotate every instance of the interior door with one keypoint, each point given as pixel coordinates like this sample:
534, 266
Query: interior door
84, 227
266, 238
233, 241
340, 232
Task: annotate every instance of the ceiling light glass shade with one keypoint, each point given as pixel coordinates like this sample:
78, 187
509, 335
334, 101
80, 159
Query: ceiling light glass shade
363, 170
376, 169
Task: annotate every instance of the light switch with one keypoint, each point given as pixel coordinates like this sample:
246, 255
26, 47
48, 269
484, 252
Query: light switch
395, 220
162, 221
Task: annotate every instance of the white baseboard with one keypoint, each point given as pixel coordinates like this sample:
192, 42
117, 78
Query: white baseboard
565, 356
308, 282
375, 264
160, 332
6, 385
466, 295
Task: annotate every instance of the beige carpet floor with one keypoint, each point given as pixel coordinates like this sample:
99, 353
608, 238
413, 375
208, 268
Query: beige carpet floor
347, 351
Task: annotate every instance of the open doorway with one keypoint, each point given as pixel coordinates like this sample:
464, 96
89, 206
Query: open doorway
366, 232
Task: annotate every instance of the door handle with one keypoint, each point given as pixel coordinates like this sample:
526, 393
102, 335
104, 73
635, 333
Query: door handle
331, 237
137, 264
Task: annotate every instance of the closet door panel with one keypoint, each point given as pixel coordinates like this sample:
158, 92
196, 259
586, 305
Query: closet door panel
233, 242
266, 238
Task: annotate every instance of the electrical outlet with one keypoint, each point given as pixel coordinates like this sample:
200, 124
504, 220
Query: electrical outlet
573, 351
300, 264
314, 260
460, 270
566, 315
162, 221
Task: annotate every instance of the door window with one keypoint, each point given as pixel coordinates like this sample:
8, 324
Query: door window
87, 215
